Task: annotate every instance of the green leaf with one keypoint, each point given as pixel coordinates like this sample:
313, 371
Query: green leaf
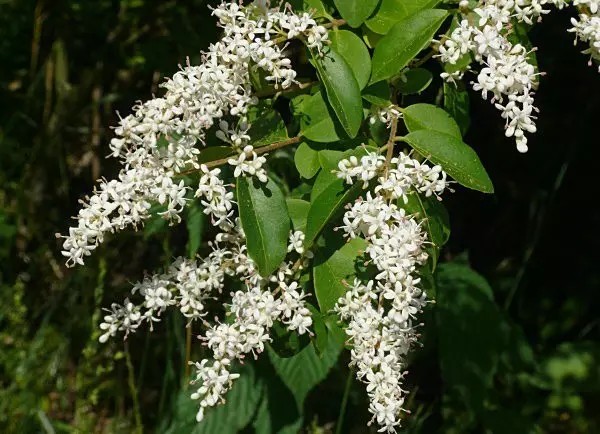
323, 180
330, 273
434, 216
355, 53
414, 81
456, 102
342, 90
298, 211
195, 226
328, 205
392, 11
469, 326
404, 41
429, 117
228, 418
306, 160
302, 372
355, 12
458, 159
213, 153
316, 122
266, 125
378, 94
266, 223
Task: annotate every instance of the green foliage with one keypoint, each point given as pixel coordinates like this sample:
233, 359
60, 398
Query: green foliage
266, 223
509, 348
458, 159
404, 41
342, 90
334, 272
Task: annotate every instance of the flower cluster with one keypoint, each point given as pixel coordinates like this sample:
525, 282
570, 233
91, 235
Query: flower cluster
587, 27
405, 173
161, 138
379, 313
188, 284
507, 73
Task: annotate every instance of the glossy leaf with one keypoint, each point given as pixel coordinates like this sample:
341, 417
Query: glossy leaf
435, 220
355, 53
316, 122
378, 94
404, 41
327, 205
306, 160
391, 12
266, 223
429, 117
414, 81
457, 103
302, 372
228, 418
342, 90
298, 211
195, 220
332, 274
458, 159
266, 125
213, 153
469, 326
355, 12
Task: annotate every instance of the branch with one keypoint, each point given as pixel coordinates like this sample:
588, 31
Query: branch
261, 150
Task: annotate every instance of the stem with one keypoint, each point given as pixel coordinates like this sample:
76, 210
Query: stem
424, 58
188, 353
340, 422
261, 150
272, 90
139, 429
390, 144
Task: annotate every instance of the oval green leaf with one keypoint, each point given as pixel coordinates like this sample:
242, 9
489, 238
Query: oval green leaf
355, 53
392, 11
457, 158
306, 160
404, 41
328, 205
342, 90
266, 223
316, 123
298, 211
330, 273
429, 117
414, 81
355, 12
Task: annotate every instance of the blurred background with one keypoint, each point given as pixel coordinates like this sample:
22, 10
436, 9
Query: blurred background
528, 344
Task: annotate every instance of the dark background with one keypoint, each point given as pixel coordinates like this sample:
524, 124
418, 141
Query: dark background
66, 67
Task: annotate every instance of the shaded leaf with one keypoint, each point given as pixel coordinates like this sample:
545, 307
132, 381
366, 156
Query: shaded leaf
469, 326
316, 122
298, 211
414, 81
302, 372
195, 227
332, 270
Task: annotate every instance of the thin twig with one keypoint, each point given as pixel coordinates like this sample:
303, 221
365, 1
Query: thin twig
390, 144
272, 90
261, 150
